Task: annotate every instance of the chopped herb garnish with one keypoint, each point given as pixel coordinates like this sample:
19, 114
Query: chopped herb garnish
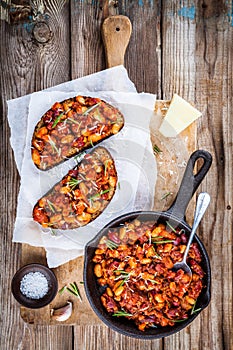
110, 244
156, 149
181, 231
91, 108
166, 195
170, 226
122, 272
156, 255
81, 282
99, 118
165, 241
54, 147
57, 120
119, 185
124, 275
193, 311
79, 157
51, 206
152, 281
50, 223
121, 313
53, 233
99, 194
61, 291
91, 143
73, 182
73, 121
181, 320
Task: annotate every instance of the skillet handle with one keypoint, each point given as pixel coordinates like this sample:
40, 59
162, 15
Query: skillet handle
190, 183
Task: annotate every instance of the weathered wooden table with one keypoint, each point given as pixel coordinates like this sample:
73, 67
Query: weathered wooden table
176, 46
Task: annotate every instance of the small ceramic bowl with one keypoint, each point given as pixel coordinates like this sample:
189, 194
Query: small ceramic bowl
34, 303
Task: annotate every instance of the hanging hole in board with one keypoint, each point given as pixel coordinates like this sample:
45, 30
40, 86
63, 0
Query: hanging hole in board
117, 29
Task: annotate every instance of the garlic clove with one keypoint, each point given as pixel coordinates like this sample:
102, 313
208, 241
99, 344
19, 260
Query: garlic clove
63, 313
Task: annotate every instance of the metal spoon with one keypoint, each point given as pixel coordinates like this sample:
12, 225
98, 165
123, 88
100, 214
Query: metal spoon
202, 204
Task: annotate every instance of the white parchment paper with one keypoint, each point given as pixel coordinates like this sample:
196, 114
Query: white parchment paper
131, 149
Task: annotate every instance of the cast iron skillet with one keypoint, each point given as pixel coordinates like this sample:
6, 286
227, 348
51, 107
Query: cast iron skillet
175, 215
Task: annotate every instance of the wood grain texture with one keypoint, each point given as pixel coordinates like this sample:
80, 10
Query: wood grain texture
41, 337
184, 47
200, 69
87, 51
143, 57
104, 338
26, 66
214, 79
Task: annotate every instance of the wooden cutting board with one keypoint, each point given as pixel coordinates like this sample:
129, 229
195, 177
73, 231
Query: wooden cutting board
116, 34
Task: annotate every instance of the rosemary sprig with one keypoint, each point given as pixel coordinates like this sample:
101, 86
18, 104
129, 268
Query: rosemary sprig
99, 194
73, 182
152, 281
53, 232
73, 121
165, 195
156, 149
91, 108
177, 321
124, 275
157, 237
79, 157
54, 147
51, 206
193, 311
181, 320
110, 244
61, 291
156, 255
121, 313
122, 272
181, 231
57, 120
165, 241
50, 223
74, 290
170, 226
153, 326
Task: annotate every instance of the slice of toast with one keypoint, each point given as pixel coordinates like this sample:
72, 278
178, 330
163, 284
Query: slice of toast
71, 126
81, 195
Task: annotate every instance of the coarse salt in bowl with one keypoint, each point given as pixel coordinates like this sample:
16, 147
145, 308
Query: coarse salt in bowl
34, 286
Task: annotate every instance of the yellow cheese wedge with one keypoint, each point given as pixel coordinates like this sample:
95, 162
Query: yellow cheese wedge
179, 116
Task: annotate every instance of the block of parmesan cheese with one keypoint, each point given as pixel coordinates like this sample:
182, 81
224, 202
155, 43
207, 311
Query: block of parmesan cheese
179, 116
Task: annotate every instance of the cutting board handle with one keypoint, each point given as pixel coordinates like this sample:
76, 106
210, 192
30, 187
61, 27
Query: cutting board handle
116, 32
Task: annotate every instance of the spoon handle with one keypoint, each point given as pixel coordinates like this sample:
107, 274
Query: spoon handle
203, 201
